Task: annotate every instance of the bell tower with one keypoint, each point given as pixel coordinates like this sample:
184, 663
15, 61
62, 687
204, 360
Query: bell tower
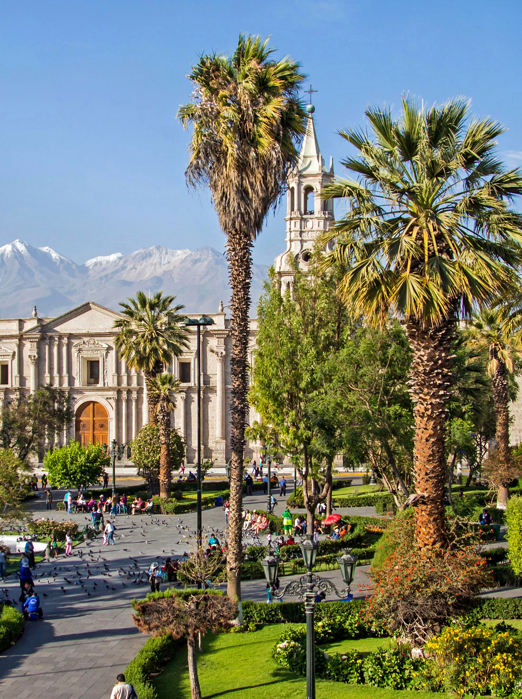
307, 215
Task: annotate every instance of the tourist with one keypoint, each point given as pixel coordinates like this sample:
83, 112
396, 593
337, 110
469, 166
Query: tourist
273, 503
48, 499
137, 505
68, 544
53, 547
26, 577
35, 482
154, 577
181, 471
123, 689
109, 533
254, 468
246, 520
66, 500
105, 479
31, 607
114, 505
191, 476
269, 597
265, 485
336, 534
29, 553
227, 510
249, 484
91, 505
213, 541
44, 480
287, 521
300, 526
80, 503
3, 564
282, 487
485, 517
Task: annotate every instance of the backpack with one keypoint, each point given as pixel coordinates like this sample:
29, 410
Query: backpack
133, 694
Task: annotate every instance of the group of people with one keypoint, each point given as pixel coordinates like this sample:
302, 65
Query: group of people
162, 573
29, 600
254, 521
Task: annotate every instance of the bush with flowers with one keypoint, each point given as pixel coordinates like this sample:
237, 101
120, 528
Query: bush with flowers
416, 591
474, 661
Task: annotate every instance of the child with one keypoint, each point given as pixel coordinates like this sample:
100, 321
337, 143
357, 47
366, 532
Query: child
68, 544
54, 547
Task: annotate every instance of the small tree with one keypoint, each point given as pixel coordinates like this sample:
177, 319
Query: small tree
27, 422
201, 568
185, 615
76, 465
146, 454
499, 472
12, 488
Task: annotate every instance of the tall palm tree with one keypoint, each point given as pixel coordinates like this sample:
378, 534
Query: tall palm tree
246, 118
151, 334
488, 333
428, 235
162, 387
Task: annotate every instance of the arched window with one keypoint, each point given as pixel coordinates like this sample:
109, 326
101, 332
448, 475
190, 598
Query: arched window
292, 199
309, 200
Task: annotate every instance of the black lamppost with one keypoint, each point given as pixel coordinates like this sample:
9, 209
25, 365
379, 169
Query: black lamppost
266, 453
307, 587
204, 320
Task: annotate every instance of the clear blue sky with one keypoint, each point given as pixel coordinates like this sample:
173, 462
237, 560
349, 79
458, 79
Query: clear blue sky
92, 159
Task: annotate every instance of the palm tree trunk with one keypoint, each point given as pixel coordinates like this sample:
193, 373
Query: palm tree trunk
240, 275
195, 689
430, 384
501, 400
152, 398
165, 471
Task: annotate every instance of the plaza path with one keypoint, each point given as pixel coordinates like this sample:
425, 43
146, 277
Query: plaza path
87, 635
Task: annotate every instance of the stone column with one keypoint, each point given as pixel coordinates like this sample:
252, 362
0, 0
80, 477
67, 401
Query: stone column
220, 395
124, 428
57, 360
115, 368
33, 358
135, 428
17, 367
65, 364
180, 422
47, 360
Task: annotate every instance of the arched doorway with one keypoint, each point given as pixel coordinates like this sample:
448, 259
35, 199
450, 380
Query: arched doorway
92, 424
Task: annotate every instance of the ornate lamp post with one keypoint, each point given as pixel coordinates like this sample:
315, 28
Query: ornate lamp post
266, 453
306, 588
204, 320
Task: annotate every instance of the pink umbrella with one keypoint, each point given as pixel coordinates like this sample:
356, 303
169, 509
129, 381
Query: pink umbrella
332, 519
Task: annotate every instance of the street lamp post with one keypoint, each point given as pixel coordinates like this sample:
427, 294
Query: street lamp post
204, 320
306, 588
266, 453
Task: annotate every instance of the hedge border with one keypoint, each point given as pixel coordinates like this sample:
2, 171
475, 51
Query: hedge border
11, 627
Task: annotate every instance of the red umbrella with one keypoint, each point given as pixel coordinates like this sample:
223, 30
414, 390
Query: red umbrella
332, 519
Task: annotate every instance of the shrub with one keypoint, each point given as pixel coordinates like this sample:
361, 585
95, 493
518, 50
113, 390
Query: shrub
474, 661
388, 541
392, 667
48, 527
11, 626
154, 655
497, 608
145, 449
514, 532
75, 465
415, 591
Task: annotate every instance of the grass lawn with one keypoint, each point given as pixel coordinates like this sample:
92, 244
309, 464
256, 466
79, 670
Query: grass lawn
516, 623
363, 645
240, 666
361, 489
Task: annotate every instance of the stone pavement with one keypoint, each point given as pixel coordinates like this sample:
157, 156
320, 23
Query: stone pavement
87, 635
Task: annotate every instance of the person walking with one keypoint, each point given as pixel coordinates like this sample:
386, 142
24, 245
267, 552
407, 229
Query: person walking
2, 564
249, 484
109, 533
265, 485
26, 577
48, 499
29, 553
154, 577
44, 480
282, 487
105, 479
68, 544
123, 689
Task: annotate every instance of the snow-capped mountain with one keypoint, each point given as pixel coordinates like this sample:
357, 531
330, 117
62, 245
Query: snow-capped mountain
41, 277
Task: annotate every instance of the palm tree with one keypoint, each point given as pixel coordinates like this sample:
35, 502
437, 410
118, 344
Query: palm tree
151, 334
428, 235
488, 333
246, 119
161, 387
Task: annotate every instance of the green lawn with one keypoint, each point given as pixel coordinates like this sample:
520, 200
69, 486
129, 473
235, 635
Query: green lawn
516, 623
240, 666
344, 492
363, 645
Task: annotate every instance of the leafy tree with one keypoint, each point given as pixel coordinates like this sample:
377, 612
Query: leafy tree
151, 333
428, 236
13, 489
297, 333
487, 332
146, 453
246, 118
76, 465
200, 568
185, 616
161, 388
30, 420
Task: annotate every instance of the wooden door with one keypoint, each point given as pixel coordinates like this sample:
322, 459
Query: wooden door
92, 424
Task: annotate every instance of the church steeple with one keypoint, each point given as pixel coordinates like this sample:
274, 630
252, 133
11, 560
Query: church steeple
308, 216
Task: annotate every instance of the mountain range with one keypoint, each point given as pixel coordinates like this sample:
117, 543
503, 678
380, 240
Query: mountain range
41, 277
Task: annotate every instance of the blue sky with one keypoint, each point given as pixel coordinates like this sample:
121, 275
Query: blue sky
92, 158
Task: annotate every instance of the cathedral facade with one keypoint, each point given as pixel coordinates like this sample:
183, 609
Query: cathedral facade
75, 352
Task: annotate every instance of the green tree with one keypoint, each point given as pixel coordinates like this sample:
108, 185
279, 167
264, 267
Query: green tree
514, 533
487, 333
428, 236
161, 387
297, 333
186, 615
146, 454
29, 421
150, 334
76, 465
13, 489
246, 118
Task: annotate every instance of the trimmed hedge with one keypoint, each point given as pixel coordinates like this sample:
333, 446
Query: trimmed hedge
11, 626
46, 527
154, 655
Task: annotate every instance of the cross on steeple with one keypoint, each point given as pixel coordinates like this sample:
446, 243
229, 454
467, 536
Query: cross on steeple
310, 91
